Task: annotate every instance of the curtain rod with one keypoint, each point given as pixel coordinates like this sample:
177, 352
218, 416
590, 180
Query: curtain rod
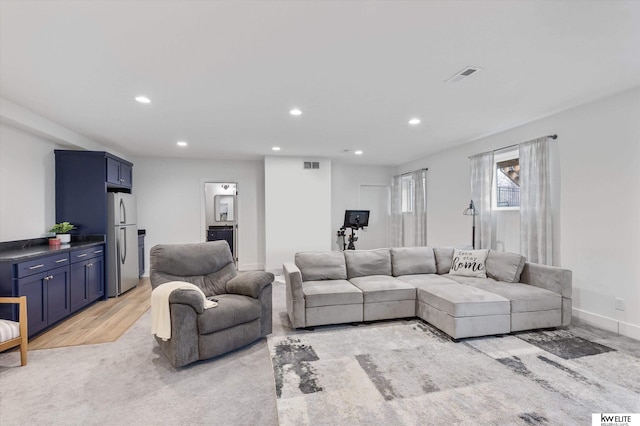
417, 170
511, 146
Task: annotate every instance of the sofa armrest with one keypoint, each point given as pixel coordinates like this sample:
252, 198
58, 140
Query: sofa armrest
550, 278
188, 297
249, 283
294, 295
293, 280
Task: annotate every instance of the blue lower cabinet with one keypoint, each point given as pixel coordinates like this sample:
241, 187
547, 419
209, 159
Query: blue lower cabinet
56, 285
36, 291
47, 297
87, 277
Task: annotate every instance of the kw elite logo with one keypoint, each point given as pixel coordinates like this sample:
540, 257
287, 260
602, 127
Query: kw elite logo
615, 419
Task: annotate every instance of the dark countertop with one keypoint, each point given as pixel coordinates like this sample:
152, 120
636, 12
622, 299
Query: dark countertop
17, 251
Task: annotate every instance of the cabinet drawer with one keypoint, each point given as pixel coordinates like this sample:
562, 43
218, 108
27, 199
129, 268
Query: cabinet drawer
88, 253
42, 264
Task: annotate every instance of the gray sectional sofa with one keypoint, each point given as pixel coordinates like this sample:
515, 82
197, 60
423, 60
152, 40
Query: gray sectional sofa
366, 285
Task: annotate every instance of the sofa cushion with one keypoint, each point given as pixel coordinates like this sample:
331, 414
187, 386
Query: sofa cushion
330, 292
362, 263
412, 260
321, 265
503, 266
383, 288
523, 297
469, 263
444, 257
232, 310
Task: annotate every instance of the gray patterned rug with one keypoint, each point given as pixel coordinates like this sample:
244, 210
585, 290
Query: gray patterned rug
407, 372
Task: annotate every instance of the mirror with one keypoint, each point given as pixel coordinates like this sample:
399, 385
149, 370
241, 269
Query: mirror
224, 208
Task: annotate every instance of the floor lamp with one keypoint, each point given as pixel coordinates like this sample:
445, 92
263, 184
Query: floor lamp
471, 211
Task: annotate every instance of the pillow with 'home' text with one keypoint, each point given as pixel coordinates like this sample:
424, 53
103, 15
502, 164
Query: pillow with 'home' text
469, 263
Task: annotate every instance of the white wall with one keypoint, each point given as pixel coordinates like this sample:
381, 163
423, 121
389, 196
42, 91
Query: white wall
27, 170
297, 208
170, 196
347, 181
598, 225
27, 184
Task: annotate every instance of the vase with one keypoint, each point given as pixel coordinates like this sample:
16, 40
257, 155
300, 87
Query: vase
64, 238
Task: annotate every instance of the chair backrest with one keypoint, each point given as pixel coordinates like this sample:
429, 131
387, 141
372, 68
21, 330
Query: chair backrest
208, 265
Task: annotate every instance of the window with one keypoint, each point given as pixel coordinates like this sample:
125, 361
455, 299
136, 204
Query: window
506, 194
406, 196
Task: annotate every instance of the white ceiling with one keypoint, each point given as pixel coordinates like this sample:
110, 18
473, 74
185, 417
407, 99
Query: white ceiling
223, 75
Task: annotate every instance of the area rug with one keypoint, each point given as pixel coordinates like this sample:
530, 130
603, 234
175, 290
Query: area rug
131, 383
407, 372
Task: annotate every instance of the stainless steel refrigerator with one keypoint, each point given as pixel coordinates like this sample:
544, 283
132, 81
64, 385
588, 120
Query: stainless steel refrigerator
122, 243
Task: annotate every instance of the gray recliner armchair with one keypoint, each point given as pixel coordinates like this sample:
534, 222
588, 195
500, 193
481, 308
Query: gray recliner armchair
242, 316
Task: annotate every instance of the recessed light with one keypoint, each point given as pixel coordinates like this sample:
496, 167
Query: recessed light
143, 99
181, 143
358, 152
275, 148
414, 121
295, 111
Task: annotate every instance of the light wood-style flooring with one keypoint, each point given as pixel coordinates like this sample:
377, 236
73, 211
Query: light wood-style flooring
104, 321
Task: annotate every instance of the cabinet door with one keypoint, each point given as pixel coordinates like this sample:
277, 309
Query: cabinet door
57, 283
95, 279
79, 296
34, 288
113, 171
126, 175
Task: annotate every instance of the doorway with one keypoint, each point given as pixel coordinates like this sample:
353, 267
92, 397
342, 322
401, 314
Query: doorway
221, 213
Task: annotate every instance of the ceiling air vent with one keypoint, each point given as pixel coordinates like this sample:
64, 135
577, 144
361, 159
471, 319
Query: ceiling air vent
311, 165
465, 73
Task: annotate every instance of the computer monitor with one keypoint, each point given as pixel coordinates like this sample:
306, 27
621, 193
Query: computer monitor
356, 218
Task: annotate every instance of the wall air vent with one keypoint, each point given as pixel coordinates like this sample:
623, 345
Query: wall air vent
465, 73
311, 165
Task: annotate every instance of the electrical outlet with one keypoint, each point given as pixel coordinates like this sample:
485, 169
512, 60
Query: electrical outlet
620, 304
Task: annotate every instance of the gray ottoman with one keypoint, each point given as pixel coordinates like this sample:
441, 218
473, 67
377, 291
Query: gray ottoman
462, 311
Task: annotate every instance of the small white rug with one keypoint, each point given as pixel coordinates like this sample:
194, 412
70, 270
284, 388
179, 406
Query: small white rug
406, 372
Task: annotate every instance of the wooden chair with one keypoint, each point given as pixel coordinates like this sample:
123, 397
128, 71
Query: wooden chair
15, 334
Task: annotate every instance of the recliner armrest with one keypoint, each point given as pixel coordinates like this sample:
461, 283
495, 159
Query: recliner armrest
249, 283
188, 297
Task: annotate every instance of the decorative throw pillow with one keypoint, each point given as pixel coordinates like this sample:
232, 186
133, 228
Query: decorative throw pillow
469, 263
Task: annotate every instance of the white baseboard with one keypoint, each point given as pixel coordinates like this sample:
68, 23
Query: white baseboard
615, 326
630, 330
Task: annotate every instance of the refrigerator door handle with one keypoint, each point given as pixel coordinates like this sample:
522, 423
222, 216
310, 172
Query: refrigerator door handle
123, 245
123, 212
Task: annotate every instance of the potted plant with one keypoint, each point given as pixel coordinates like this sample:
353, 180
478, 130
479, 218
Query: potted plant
62, 231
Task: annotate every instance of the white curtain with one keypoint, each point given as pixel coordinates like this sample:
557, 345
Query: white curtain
396, 231
536, 231
482, 173
409, 227
419, 211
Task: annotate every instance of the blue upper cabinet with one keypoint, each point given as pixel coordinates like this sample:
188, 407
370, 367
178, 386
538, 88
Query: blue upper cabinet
119, 173
83, 179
